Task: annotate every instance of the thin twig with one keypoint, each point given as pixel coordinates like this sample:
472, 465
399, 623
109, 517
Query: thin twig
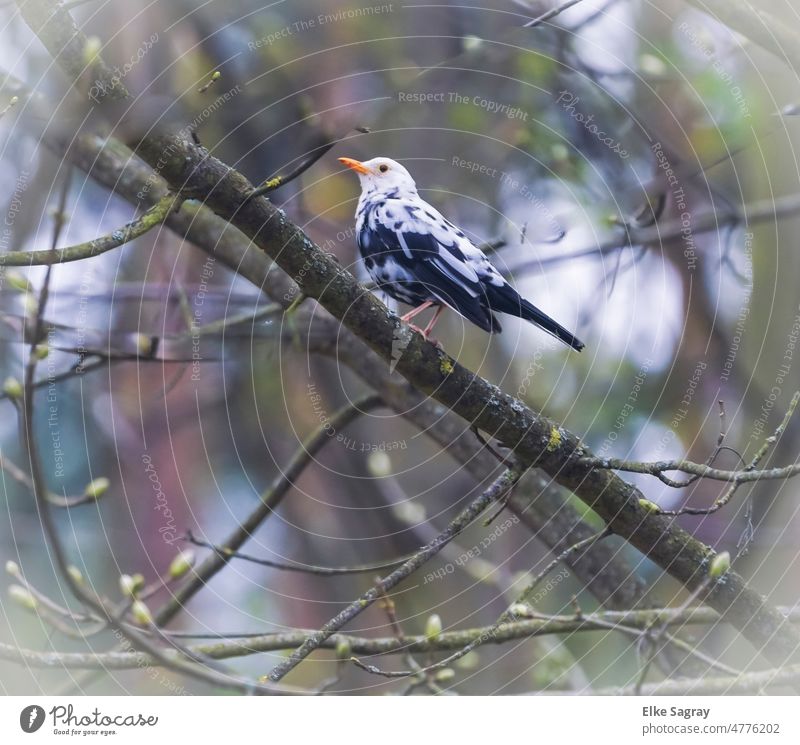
706, 686
58, 500
88, 599
550, 14
304, 568
654, 639
496, 491
703, 470
661, 234
275, 182
505, 618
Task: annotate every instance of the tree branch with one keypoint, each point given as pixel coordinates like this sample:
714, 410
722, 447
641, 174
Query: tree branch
244, 645
270, 500
496, 491
89, 249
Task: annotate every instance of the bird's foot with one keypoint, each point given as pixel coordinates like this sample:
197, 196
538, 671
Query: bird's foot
431, 339
426, 334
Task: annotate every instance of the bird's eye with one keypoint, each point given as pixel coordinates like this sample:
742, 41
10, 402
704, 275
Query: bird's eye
383, 168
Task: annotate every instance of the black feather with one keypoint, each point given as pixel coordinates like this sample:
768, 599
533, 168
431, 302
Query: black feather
506, 299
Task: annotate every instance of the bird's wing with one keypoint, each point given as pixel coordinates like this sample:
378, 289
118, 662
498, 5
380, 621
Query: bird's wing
427, 249
428, 241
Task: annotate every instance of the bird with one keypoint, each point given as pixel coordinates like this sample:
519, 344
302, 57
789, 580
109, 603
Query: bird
418, 257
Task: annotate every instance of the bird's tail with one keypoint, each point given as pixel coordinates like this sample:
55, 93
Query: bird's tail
531, 313
506, 300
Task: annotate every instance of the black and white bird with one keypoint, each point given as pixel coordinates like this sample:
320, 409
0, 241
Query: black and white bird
420, 258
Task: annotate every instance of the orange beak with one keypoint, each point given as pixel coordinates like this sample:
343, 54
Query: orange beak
356, 165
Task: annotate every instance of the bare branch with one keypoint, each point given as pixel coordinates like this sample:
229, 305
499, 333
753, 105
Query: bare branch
275, 182
551, 14
703, 470
662, 233
242, 645
89, 249
507, 617
496, 491
303, 568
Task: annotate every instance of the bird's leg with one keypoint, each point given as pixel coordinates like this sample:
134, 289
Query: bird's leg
408, 316
426, 332
412, 313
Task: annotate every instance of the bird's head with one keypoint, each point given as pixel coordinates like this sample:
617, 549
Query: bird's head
381, 174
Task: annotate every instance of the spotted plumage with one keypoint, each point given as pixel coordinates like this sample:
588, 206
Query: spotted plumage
420, 258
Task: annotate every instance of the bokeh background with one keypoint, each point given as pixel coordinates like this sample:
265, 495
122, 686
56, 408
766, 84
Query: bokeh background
553, 142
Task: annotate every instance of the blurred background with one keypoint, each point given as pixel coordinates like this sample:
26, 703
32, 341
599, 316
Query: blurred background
635, 167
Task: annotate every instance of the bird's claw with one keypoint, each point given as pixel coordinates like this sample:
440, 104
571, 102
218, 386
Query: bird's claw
425, 335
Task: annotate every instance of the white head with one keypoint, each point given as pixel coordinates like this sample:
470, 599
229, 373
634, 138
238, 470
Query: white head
381, 175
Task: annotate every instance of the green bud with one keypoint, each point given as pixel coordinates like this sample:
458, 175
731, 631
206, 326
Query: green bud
23, 597
519, 610
126, 585
412, 513
95, 489
130, 585
13, 101
181, 564
471, 43
75, 573
719, 565
141, 613
18, 282
144, 345
343, 650
31, 304
217, 75
649, 64
12, 387
91, 49
433, 628
559, 152
470, 661
12, 568
445, 675
41, 351
379, 464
